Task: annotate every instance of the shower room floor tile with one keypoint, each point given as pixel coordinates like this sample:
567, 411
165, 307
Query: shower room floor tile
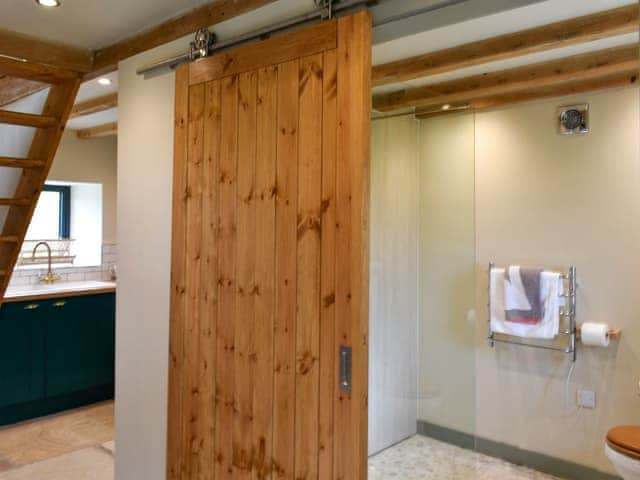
423, 458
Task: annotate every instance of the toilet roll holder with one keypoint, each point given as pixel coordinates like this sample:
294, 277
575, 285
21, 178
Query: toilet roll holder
612, 333
568, 312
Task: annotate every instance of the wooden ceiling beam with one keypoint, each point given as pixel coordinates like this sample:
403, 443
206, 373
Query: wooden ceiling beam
34, 50
572, 88
95, 105
35, 71
106, 59
579, 67
99, 131
556, 35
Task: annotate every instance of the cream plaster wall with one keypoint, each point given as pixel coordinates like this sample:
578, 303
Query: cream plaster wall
547, 199
91, 161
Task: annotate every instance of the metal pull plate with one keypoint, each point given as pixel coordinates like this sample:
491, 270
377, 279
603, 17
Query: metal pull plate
345, 369
60, 304
31, 306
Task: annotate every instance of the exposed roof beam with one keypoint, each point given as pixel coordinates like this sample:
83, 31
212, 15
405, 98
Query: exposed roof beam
579, 67
35, 71
99, 131
13, 89
572, 88
106, 59
95, 105
560, 34
34, 50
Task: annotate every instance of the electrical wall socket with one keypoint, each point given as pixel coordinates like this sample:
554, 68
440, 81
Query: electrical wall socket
586, 399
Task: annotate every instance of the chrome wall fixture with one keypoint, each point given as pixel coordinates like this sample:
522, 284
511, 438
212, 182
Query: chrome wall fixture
568, 312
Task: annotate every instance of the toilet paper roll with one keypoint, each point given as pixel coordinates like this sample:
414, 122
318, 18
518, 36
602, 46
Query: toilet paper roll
595, 334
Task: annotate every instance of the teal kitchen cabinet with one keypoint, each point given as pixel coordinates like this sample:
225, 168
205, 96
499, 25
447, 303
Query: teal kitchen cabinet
21, 353
55, 354
79, 344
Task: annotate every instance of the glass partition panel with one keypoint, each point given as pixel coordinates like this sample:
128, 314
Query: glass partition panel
422, 296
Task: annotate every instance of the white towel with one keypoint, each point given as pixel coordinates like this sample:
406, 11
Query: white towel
551, 289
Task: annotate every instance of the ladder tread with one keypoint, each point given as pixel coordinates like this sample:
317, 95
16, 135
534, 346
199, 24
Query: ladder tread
14, 162
17, 202
27, 119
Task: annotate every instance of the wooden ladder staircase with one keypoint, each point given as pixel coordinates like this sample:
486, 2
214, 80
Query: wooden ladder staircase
35, 166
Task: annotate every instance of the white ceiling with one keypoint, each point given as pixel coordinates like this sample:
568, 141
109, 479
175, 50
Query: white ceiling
92, 89
89, 23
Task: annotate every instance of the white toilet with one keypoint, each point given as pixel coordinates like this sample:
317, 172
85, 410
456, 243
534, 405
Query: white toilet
623, 451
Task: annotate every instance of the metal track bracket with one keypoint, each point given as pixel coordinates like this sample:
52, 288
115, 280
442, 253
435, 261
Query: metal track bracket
202, 43
327, 8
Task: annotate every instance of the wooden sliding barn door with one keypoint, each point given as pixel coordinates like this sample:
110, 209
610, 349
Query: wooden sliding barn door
270, 259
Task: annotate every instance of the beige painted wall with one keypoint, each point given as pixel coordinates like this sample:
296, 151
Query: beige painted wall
547, 199
393, 289
446, 387
93, 161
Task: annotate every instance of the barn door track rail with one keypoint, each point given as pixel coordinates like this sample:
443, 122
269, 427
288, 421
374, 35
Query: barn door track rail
205, 42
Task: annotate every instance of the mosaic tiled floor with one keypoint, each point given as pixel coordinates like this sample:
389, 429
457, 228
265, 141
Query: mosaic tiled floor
422, 458
78, 445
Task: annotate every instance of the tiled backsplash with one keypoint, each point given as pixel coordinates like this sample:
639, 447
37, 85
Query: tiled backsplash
31, 276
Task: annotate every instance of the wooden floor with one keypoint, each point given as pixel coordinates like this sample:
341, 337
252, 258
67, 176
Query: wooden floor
74, 445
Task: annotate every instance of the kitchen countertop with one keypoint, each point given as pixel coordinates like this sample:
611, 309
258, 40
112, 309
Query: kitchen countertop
56, 290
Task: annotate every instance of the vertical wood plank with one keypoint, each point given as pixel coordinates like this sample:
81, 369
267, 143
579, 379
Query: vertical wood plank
308, 267
328, 349
178, 242
269, 272
225, 379
244, 360
205, 432
265, 270
286, 240
352, 295
191, 344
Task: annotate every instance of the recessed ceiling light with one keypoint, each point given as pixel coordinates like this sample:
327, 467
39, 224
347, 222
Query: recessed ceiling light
48, 3
446, 106
104, 81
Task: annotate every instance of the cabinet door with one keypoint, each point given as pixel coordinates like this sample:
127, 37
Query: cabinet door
104, 307
80, 339
21, 353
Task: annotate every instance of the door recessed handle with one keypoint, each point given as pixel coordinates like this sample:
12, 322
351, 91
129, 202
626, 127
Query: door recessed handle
60, 304
32, 306
345, 368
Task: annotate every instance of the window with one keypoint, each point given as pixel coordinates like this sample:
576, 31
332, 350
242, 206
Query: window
51, 218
